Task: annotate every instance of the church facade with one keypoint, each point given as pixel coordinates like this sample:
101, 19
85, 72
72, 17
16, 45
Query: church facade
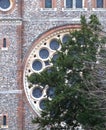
29, 30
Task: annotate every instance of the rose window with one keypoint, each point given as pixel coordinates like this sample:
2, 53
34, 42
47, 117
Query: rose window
38, 60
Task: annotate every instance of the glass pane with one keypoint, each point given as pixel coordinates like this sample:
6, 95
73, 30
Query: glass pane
54, 45
4, 4
48, 3
37, 65
47, 63
69, 3
65, 38
51, 92
42, 104
99, 3
78, 3
44, 53
55, 57
37, 92
4, 120
4, 42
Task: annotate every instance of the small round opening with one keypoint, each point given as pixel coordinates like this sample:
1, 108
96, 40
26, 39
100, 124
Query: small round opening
37, 92
65, 38
54, 45
44, 53
37, 65
51, 92
42, 104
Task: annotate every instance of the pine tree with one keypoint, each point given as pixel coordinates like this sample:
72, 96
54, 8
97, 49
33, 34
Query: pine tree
77, 99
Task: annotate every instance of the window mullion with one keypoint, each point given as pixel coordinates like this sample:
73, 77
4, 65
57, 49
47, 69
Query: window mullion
74, 4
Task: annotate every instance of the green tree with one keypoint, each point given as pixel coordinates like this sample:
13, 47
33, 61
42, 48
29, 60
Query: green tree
77, 99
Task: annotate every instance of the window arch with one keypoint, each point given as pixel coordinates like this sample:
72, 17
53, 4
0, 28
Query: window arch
4, 42
4, 120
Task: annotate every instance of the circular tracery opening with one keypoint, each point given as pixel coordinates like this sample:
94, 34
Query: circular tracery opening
4, 4
38, 60
54, 44
65, 38
44, 53
42, 104
51, 92
37, 92
37, 65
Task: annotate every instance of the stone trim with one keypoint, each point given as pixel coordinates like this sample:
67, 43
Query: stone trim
10, 21
11, 92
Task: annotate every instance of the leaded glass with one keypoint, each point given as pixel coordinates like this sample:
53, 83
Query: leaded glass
99, 3
37, 65
69, 3
54, 45
44, 53
48, 3
37, 92
65, 38
78, 3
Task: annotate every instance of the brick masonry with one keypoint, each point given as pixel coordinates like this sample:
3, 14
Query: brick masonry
22, 26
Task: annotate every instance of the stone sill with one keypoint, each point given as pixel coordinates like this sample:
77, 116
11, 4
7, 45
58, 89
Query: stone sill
4, 126
4, 48
48, 9
74, 9
98, 9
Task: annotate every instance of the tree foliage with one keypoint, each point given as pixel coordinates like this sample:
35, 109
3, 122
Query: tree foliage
78, 98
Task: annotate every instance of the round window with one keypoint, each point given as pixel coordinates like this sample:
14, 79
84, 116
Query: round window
54, 45
37, 92
55, 56
44, 53
65, 38
50, 92
37, 65
5, 5
42, 104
